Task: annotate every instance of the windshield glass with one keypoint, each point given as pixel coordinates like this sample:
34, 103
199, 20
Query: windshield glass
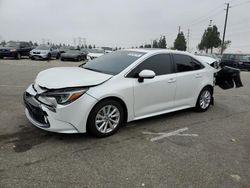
99, 51
12, 44
73, 51
113, 63
42, 47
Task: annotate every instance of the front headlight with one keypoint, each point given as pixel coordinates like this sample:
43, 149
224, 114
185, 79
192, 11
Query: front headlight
62, 97
13, 50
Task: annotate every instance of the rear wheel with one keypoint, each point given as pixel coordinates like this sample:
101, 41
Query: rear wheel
105, 118
58, 56
204, 100
79, 58
1, 57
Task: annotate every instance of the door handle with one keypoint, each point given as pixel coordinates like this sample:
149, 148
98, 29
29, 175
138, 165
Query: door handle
198, 75
171, 80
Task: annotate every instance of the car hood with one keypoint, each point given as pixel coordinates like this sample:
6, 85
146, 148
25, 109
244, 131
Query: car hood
35, 50
70, 54
64, 77
7, 48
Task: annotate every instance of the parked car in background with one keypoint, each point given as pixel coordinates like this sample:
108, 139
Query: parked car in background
74, 55
45, 52
15, 49
94, 53
240, 61
211, 61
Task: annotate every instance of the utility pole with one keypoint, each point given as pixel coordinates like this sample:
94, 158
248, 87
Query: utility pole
225, 27
188, 39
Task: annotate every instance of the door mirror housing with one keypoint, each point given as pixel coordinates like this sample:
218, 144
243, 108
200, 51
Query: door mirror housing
146, 74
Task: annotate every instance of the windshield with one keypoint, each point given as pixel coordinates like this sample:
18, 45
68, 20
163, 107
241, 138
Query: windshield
73, 51
245, 58
12, 44
42, 47
113, 63
99, 51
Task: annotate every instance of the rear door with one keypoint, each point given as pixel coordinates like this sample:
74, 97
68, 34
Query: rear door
156, 94
189, 79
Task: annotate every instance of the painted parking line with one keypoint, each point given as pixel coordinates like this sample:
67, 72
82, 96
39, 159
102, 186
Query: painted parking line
162, 135
11, 86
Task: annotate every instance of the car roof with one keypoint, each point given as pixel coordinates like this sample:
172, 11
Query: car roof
155, 50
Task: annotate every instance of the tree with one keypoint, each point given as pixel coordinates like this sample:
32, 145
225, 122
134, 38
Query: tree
155, 44
31, 43
147, 46
94, 46
3, 43
180, 42
227, 43
162, 42
35, 44
210, 39
90, 47
141, 46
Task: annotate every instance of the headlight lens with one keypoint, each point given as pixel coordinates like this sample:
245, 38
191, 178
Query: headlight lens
60, 97
13, 50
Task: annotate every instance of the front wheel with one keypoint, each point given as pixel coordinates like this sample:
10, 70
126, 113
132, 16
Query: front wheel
49, 57
204, 100
105, 118
58, 56
18, 56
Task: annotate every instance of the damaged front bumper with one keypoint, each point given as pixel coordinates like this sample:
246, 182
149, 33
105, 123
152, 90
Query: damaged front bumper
70, 118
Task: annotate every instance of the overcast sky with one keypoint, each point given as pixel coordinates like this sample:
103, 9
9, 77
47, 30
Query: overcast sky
122, 23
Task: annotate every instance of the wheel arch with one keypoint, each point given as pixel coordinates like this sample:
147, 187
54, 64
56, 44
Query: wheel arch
123, 104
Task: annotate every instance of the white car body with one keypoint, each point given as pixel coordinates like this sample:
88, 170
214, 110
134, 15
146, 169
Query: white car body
94, 55
162, 94
209, 60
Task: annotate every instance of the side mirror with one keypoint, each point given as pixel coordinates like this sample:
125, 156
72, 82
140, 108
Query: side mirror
146, 74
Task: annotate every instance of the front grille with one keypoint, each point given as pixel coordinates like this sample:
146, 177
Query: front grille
36, 52
35, 111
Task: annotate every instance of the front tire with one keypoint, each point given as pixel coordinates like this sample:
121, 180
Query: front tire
49, 57
18, 56
58, 56
105, 118
204, 100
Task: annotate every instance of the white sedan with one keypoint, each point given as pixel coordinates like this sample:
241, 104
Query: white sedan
118, 87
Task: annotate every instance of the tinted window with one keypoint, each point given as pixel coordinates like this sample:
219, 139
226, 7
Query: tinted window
185, 63
114, 62
160, 64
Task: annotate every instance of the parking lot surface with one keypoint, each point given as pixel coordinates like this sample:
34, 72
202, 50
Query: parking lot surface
181, 149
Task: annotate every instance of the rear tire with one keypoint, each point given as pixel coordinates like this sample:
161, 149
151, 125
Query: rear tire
204, 100
105, 118
58, 56
1, 57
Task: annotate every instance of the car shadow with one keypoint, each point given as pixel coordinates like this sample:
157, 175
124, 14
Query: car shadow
29, 135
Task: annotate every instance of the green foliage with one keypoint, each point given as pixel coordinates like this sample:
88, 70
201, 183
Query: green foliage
162, 43
155, 44
210, 39
180, 42
90, 47
147, 46
227, 43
